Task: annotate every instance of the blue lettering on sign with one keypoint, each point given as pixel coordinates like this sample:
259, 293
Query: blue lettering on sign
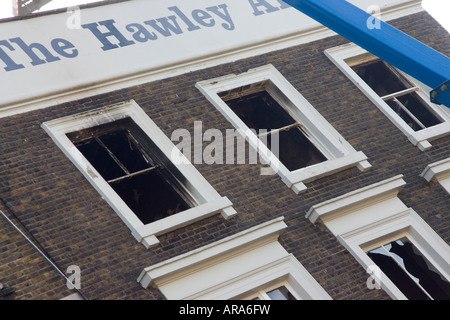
37, 52
110, 36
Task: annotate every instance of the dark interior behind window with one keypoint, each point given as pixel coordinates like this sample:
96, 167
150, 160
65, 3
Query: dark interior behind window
410, 271
135, 168
261, 111
385, 80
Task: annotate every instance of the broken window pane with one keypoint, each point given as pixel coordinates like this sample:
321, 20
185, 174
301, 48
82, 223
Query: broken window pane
410, 271
398, 93
138, 172
260, 111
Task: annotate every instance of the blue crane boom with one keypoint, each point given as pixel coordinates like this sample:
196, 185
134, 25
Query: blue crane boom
386, 42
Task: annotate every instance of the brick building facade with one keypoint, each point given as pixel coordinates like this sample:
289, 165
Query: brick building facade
45, 195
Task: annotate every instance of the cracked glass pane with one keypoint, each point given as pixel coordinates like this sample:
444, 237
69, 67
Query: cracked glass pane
410, 271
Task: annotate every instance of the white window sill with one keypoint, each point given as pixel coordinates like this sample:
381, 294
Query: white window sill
440, 171
296, 179
147, 234
422, 138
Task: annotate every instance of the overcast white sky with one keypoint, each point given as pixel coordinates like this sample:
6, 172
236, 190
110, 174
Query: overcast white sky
439, 9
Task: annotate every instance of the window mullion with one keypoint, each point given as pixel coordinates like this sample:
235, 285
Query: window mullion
162, 171
116, 160
285, 128
409, 113
147, 158
400, 93
133, 174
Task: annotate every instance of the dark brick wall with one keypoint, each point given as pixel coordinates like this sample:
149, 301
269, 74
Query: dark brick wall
23, 269
75, 225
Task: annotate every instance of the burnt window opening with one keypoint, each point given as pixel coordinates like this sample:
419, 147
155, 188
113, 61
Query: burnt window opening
135, 169
398, 93
260, 111
410, 271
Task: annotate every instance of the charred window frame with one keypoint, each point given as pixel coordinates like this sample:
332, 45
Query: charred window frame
133, 148
296, 122
135, 168
402, 99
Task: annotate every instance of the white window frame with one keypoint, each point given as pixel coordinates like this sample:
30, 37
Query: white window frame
439, 171
261, 293
340, 154
420, 138
233, 268
369, 217
209, 201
